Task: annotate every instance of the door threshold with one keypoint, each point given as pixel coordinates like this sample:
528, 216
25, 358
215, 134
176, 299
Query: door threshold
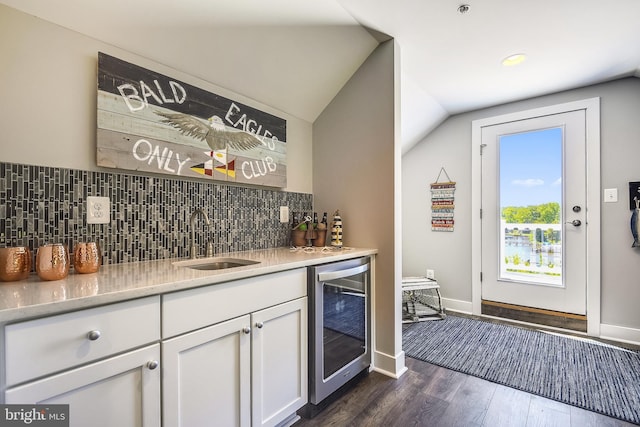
555, 319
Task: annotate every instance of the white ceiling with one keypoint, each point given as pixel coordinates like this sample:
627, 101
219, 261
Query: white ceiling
295, 55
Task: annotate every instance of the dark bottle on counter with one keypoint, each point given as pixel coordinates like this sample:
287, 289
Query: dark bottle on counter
315, 220
324, 218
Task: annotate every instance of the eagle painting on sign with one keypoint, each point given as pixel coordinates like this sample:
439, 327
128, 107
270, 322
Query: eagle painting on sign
152, 123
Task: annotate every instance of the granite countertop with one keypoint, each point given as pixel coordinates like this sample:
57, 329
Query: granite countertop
119, 282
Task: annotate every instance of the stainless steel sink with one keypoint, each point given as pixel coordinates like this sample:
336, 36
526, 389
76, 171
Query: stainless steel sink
218, 263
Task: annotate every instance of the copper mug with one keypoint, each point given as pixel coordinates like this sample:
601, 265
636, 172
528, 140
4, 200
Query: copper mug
52, 261
87, 257
15, 263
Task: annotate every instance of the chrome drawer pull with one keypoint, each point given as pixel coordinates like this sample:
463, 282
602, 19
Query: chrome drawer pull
94, 335
259, 325
246, 330
152, 364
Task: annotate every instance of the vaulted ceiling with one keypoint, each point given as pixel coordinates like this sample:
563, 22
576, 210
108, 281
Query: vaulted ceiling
295, 55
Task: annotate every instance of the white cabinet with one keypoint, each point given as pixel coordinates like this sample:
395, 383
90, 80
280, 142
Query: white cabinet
278, 362
122, 390
59, 342
250, 370
103, 362
228, 354
207, 375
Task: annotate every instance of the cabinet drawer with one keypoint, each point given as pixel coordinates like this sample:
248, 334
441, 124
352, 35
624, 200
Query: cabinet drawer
50, 344
192, 309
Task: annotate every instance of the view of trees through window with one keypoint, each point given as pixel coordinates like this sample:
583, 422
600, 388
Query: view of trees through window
530, 168
547, 213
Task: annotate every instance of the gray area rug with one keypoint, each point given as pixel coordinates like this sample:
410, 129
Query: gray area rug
600, 378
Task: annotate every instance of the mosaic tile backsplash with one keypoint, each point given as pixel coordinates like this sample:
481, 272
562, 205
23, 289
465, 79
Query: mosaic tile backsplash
149, 215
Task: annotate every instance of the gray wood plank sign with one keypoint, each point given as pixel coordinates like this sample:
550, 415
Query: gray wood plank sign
152, 123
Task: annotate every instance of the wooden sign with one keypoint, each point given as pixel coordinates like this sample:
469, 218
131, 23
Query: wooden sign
442, 203
153, 123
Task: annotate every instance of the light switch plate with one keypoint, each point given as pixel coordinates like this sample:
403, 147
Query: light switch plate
284, 214
98, 210
610, 195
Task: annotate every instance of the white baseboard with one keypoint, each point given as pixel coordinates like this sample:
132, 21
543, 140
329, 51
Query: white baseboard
620, 333
457, 305
391, 366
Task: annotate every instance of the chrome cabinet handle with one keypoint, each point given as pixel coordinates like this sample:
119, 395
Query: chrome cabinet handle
331, 275
246, 330
94, 335
259, 325
575, 222
152, 364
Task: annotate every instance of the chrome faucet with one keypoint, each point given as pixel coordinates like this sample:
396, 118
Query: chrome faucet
193, 252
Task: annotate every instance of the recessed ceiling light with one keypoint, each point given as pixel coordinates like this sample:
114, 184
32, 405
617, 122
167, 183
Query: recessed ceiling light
514, 59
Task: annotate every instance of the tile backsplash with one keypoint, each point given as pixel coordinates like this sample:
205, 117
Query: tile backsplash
149, 214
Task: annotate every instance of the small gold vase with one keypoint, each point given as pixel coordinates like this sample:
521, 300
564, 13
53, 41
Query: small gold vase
87, 257
15, 263
52, 261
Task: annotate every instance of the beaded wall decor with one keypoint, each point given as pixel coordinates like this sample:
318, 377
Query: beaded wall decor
442, 203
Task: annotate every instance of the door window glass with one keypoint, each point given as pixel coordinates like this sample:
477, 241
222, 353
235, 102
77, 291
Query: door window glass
530, 200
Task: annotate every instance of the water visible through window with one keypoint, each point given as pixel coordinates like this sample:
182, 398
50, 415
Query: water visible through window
531, 167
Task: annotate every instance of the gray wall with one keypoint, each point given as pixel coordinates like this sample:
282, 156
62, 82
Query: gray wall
48, 118
449, 146
48, 105
355, 170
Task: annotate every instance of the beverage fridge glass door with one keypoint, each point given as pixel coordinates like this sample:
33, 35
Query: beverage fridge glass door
341, 335
344, 315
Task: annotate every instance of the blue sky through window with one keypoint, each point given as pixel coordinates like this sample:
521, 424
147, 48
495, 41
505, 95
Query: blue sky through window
531, 168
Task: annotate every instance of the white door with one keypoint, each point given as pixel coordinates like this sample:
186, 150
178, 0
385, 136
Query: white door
533, 205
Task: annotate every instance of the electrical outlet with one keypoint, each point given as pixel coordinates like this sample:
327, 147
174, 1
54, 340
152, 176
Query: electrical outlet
284, 214
98, 210
431, 274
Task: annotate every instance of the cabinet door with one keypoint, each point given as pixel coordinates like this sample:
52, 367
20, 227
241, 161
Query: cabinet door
120, 391
206, 376
279, 362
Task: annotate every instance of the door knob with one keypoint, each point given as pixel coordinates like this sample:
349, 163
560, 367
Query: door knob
575, 222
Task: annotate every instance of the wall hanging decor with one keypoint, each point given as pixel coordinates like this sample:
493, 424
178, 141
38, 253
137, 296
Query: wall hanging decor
442, 203
634, 194
153, 123
634, 205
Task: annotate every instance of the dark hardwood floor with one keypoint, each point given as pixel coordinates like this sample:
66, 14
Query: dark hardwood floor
428, 395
